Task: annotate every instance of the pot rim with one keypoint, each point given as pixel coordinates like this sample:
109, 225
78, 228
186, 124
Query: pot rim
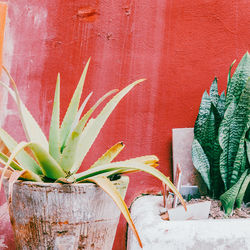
56, 185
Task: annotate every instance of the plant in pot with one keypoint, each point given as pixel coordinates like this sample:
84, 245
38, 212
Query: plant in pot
52, 205
221, 146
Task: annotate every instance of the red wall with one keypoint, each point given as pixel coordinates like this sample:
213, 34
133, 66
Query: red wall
178, 45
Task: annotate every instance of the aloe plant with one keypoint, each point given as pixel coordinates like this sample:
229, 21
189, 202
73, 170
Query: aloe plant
59, 158
221, 133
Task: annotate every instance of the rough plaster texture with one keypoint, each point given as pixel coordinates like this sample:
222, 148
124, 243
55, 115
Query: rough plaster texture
158, 234
178, 45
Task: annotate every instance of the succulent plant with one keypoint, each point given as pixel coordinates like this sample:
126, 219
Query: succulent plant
221, 147
59, 158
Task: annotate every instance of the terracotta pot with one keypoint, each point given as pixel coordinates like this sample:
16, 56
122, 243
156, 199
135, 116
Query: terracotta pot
64, 216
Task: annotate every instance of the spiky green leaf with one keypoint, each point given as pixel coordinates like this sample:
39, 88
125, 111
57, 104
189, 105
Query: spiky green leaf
221, 105
224, 135
31, 127
109, 155
228, 198
204, 112
240, 162
94, 126
238, 79
24, 159
201, 162
70, 150
242, 191
214, 95
73, 107
54, 132
111, 190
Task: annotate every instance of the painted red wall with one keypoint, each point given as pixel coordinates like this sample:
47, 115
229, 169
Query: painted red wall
178, 45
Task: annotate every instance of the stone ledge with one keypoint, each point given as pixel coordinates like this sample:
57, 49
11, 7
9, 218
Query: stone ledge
157, 234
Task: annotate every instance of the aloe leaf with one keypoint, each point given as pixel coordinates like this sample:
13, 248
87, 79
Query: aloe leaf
111, 190
221, 105
228, 198
150, 160
7, 173
214, 95
238, 79
242, 191
54, 132
73, 106
23, 175
49, 165
24, 159
17, 149
224, 134
109, 155
201, 162
13, 178
69, 153
31, 128
4, 159
94, 126
79, 113
130, 165
204, 112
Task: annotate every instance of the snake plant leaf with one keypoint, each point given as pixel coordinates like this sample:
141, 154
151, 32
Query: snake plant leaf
214, 95
204, 112
109, 155
129, 165
238, 125
201, 162
242, 191
224, 133
240, 162
31, 128
54, 132
228, 198
221, 105
111, 190
69, 153
238, 79
94, 126
248, 148
229, 75
212, 148
73, 106
23, 158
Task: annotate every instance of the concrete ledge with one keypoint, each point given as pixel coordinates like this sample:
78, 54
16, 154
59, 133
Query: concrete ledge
157, 234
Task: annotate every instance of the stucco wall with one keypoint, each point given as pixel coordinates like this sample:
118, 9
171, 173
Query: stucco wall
178, 45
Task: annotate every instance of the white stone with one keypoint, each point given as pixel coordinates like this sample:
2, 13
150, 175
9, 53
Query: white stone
157, 234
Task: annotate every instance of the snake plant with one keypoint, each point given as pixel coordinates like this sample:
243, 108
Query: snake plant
59, 158
221, 146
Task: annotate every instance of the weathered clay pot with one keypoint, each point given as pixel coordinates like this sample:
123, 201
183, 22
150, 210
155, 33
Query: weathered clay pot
64, 216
